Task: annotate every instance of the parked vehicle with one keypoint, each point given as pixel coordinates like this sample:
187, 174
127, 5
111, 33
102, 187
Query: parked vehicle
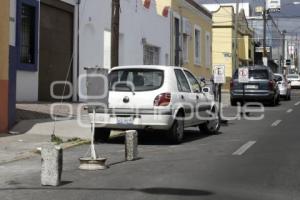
156, 98
284, 86
262, 87
295, 80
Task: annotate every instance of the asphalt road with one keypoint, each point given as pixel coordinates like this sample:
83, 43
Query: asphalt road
249, 160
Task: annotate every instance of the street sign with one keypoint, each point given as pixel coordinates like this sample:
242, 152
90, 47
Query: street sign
243, 75
219, 74
273, 5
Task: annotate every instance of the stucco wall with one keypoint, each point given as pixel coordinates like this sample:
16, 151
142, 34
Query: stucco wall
136, 23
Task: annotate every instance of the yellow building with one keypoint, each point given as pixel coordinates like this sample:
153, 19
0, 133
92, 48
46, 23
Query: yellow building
191, 30
4, 56
223, 40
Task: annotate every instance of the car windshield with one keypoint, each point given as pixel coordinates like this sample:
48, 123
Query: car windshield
293, 76
255, 74
135, 79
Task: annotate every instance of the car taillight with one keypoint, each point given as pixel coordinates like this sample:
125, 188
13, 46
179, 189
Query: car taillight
271, 85
162, 99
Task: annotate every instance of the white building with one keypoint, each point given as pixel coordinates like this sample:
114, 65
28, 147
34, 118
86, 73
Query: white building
144, 34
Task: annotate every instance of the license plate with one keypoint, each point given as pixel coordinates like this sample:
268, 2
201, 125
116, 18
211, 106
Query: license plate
251, 87
125, 120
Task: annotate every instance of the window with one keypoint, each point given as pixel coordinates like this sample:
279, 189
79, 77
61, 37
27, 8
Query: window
185, 48
194, 83
140, 79
197, 46
208, 50
182, 83
151, 55
27, 41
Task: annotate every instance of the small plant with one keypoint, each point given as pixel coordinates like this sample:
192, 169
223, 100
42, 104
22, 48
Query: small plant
56, 140
75, 139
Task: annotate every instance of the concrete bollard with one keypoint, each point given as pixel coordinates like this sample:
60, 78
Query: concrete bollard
52, 161
131, 145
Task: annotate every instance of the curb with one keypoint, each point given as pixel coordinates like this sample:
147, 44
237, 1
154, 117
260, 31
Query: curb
67, 145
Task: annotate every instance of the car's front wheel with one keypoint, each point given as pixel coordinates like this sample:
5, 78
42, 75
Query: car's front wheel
101, 135
176, 132
211, 126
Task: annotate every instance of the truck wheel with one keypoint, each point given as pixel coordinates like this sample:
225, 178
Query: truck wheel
101, 135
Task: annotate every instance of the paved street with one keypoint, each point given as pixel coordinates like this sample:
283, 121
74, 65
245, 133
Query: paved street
248, 160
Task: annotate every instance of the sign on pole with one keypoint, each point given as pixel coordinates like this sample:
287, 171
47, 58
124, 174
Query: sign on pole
273, 5
219, 74
243, 75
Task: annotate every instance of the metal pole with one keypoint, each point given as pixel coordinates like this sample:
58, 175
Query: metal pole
283, 51
115, 23
235, 38
265, 34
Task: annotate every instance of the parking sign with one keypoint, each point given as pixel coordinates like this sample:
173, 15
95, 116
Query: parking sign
243, 75
219, 74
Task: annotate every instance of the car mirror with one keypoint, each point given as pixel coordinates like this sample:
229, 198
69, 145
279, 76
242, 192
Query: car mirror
206, 90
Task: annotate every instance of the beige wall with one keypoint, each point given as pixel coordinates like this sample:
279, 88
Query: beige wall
195, 18
4, 39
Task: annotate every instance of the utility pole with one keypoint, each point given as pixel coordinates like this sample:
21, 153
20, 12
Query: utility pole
283, 52
115, 25
235, 38
265, 58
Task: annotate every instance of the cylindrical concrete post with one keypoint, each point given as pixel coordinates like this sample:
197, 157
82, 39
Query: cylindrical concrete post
52, 161
131, 145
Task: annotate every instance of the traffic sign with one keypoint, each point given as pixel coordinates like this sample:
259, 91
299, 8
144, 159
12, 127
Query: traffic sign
219, 74
243, 75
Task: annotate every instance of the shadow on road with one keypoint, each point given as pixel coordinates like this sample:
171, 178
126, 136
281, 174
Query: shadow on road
160, 138
153, 191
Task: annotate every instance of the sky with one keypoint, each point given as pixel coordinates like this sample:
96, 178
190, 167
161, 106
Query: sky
288, 19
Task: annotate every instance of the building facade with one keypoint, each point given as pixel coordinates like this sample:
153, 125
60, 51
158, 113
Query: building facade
143, 35
4, 66
191, 35
223, 40
42, 42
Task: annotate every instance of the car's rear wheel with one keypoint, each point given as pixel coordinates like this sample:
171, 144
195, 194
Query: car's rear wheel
233, 102
288, 97
212, 126
176, 132
101, 135
277, 100
273, 101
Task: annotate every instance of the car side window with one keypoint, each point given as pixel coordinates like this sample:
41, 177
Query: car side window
182, 82
196, 88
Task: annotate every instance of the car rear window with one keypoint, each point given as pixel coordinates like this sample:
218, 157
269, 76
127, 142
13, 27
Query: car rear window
136, 79
255, 74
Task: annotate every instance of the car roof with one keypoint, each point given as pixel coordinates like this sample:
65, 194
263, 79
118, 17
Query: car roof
161, 67
277, 74
258, 67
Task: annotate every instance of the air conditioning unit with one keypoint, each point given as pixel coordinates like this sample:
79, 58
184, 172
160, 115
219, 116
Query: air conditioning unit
187, 27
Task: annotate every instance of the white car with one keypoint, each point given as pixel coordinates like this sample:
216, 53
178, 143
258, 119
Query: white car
295, 80
284, 86
161, 98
